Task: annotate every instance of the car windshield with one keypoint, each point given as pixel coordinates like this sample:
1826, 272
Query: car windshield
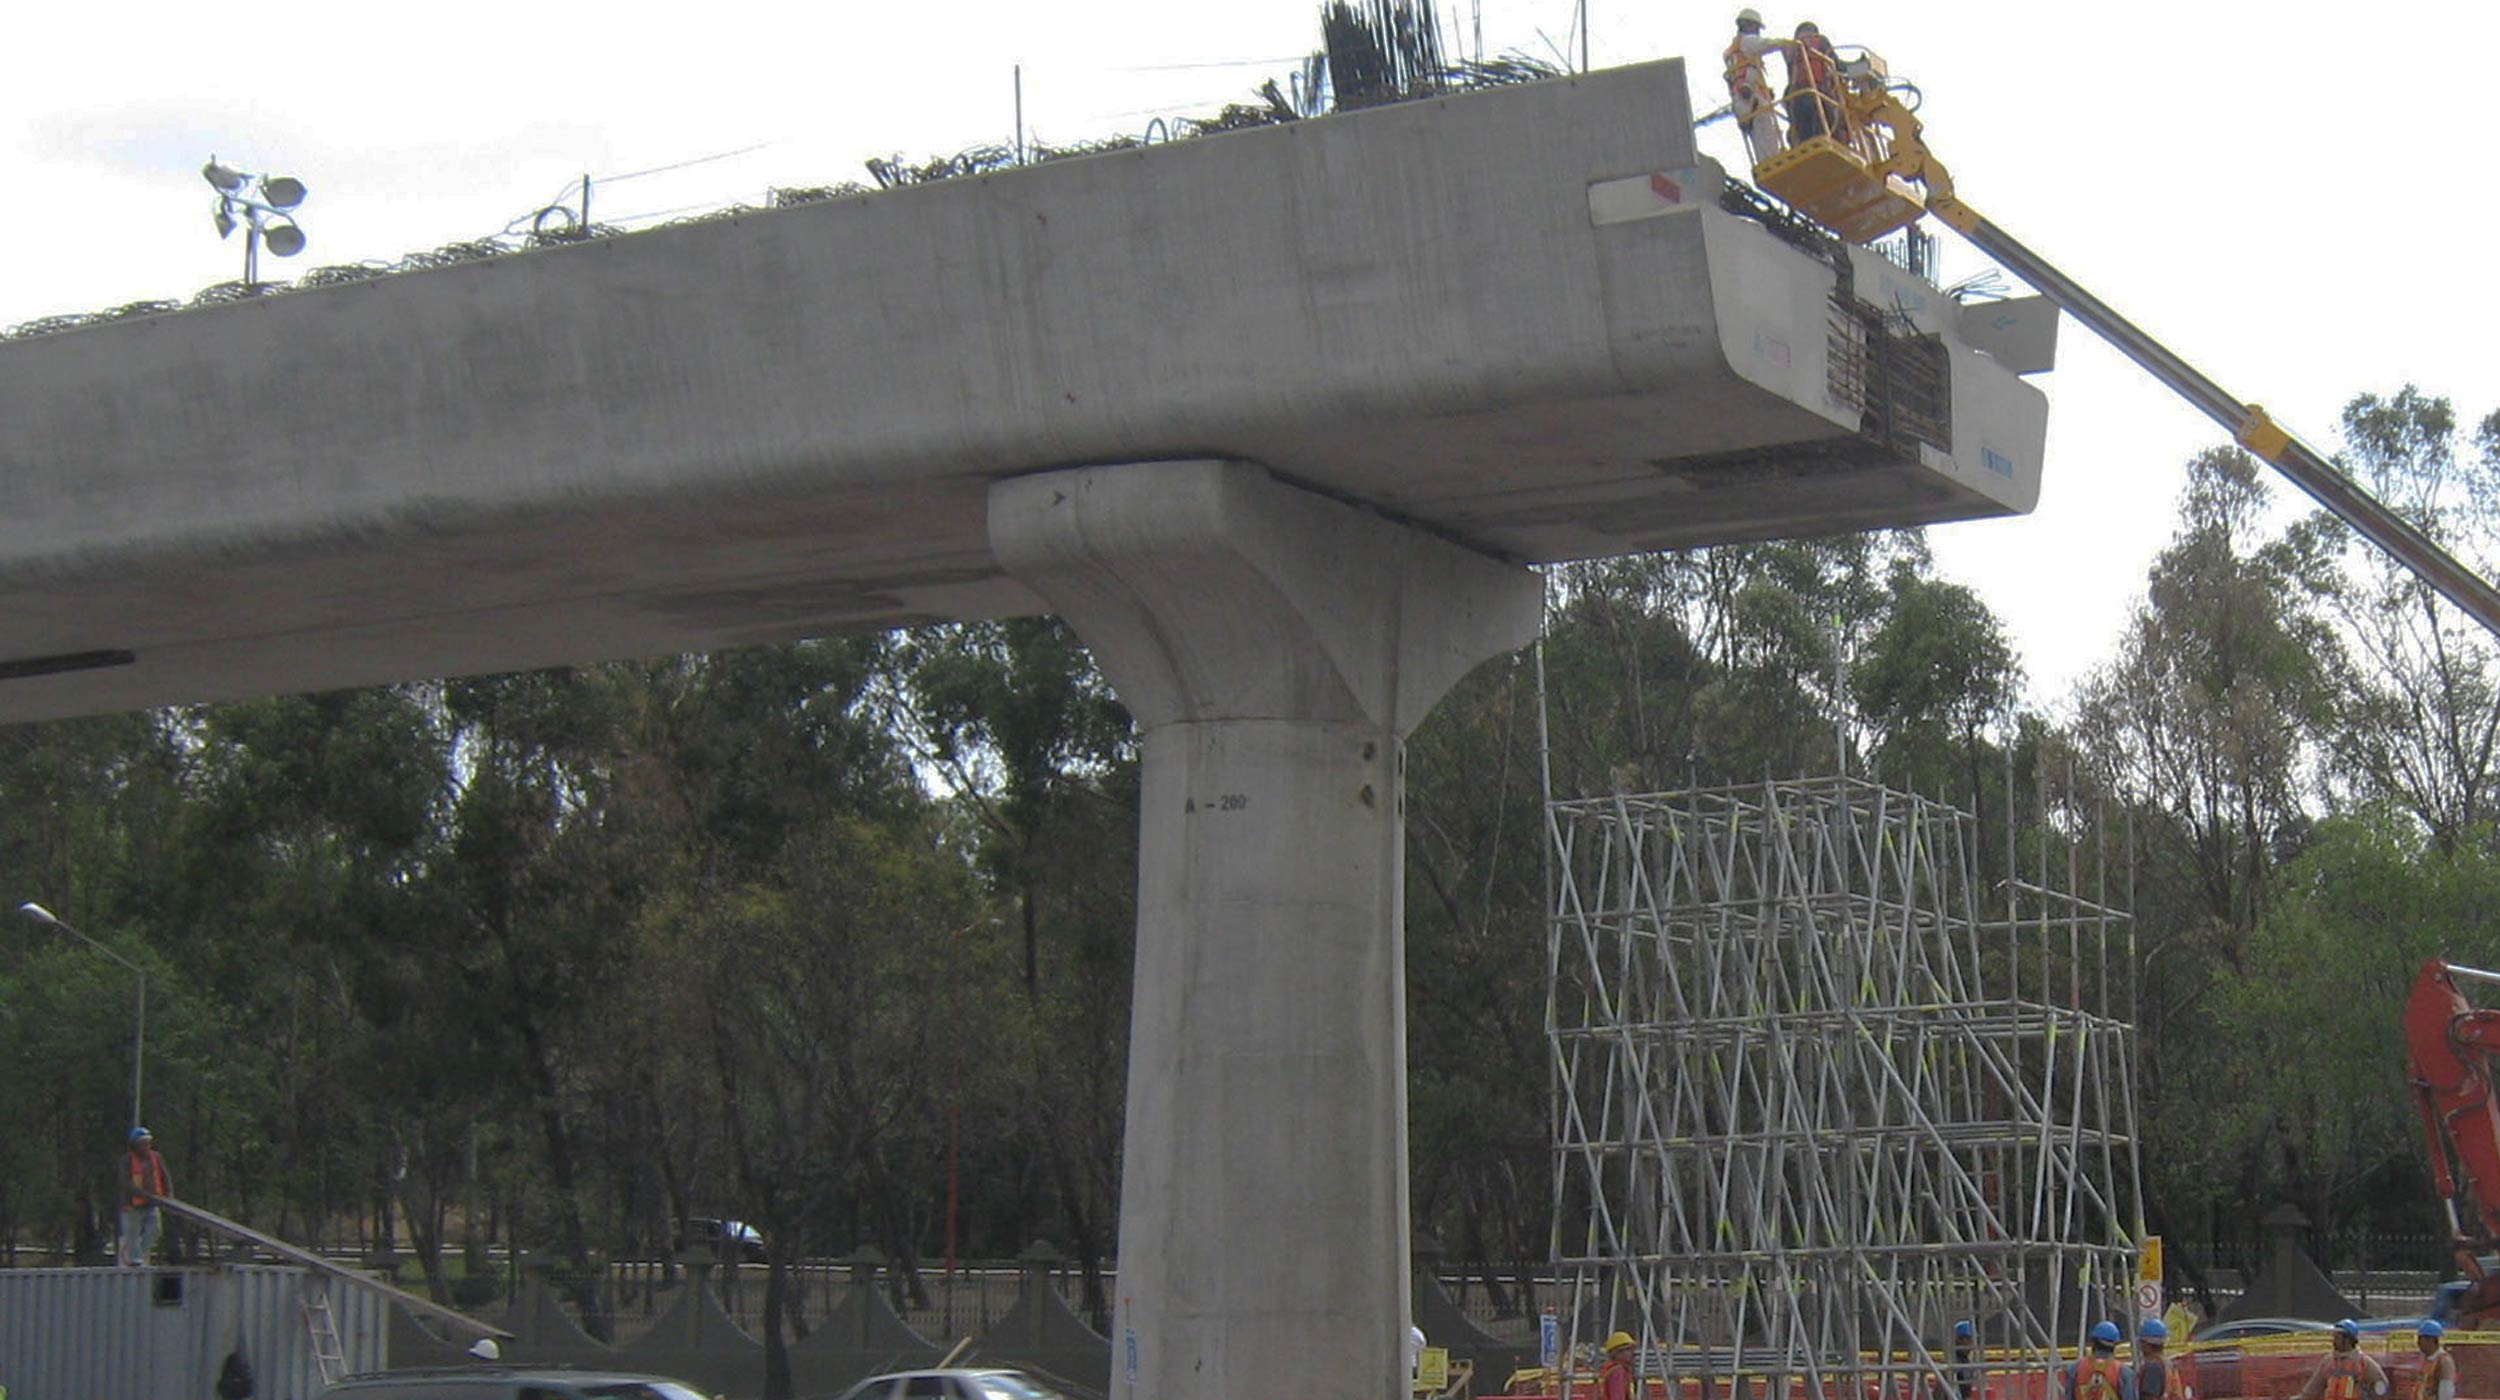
1007, 1385
643, 1390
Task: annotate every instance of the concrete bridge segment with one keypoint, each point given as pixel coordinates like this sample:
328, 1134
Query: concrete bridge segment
1475, 314
1274, 418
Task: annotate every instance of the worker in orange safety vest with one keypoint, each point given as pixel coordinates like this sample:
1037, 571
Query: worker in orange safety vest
1749, 83
2152, 1373
144, 1176
2347, 1373
2097, 1374
1814, 87
1614, 1379
2438, 1380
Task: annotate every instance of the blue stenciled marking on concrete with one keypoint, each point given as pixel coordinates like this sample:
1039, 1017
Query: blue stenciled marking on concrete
1997, 461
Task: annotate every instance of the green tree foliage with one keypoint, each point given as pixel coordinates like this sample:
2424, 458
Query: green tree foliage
2316, 1080
2417, 719
834, 938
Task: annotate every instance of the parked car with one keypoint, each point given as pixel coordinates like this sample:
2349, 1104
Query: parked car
730, 1239
508, 1383
952, 1385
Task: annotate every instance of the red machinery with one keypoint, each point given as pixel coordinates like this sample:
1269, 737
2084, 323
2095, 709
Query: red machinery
2449, 1051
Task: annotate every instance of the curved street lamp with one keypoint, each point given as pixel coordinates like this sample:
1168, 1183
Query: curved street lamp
139, 1038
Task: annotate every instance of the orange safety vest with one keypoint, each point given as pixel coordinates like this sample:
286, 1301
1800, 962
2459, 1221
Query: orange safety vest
2426, 1385
2097, 1378
147, 1173
2344, 1375
1747, 80
1815, 66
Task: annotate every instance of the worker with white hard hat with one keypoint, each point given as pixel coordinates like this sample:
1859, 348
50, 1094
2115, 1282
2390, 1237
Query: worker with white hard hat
1749, 84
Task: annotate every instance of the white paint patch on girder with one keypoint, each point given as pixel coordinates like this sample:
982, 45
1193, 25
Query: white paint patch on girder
1654, 195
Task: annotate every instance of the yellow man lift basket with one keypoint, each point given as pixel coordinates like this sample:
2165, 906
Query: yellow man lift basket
1834, 186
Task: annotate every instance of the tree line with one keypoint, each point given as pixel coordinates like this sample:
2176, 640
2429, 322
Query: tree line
833, 938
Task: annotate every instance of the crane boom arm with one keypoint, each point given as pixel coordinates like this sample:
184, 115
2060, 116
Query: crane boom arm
1906, 158
2249, 424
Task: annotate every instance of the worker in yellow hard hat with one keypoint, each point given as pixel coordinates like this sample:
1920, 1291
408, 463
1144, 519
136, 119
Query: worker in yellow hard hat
1749, 83
1614, 1379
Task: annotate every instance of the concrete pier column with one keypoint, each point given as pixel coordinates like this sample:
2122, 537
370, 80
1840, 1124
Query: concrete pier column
1276, 647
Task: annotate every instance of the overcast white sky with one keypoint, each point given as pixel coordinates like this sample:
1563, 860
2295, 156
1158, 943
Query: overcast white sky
2299, 198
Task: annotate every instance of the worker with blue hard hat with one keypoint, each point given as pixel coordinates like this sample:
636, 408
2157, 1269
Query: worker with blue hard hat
2097, 1374
1967, 1370
2347, 1373
2438, 1378
144, 1179
2152, 1372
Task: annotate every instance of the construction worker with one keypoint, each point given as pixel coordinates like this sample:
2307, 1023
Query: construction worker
1749, 83
143, 1175
2346, 1373
1814, 87
1966, 1365
2438, 1380
2152, 1373
1614, 1379
2096, 1375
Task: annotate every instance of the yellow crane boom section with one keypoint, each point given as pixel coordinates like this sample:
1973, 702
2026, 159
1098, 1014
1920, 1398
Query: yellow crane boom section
1871, 173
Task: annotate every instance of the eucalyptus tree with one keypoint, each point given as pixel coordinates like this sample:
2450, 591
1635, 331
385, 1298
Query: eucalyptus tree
2415, 718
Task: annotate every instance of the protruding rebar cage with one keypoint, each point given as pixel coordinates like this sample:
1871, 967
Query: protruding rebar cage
1819, 1096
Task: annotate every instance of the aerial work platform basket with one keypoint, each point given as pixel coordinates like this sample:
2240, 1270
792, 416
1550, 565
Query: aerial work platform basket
1848, 148
1837, 187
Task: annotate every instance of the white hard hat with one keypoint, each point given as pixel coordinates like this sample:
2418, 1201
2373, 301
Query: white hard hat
484, 1349
1749, 15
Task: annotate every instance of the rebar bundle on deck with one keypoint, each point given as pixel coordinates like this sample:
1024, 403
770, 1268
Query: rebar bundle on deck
1815, 1107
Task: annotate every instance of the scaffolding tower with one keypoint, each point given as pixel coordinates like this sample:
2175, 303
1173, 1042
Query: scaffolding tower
1819, 1096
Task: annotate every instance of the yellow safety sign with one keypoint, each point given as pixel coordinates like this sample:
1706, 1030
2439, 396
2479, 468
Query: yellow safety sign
1432, 1370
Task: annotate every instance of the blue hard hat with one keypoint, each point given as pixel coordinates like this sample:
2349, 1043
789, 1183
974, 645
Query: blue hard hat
2349, 1328
2105, 1333
140, 1134
2153, 1330
1964, 1329
2431, 1327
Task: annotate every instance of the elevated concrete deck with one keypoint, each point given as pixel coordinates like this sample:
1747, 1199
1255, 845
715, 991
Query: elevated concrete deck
1515, 318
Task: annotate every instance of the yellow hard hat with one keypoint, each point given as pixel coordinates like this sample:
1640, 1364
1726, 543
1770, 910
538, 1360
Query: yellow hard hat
1619, 1339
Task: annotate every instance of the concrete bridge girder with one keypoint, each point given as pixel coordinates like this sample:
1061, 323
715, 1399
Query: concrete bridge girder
1483, 314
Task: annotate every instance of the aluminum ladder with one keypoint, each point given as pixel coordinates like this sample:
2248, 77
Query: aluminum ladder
322, 1327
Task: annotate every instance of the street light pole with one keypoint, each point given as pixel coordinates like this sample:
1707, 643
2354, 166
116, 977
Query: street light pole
139, 1039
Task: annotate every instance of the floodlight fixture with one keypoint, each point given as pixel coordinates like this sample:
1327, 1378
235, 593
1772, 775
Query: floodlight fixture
257, 204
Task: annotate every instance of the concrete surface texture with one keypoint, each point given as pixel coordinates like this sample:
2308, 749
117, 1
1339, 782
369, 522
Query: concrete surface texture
1276, 648
1515, 317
